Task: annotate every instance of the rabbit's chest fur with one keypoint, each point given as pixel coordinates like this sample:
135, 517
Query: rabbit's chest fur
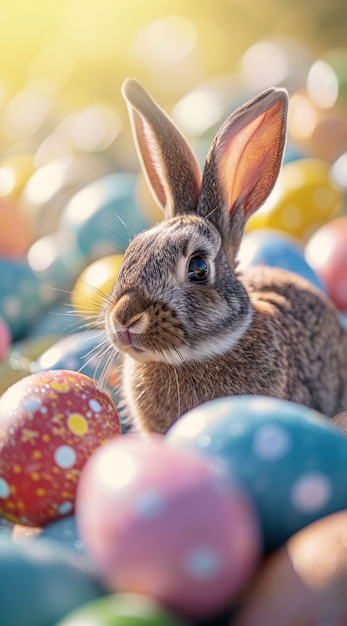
294, 349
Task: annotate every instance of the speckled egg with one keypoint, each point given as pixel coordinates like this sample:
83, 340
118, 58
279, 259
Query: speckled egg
266, 246
50, 423
167, 523
304, 583
104, 215
22, 295
289, 458
123, 609
305, 197
41, 582
326, 252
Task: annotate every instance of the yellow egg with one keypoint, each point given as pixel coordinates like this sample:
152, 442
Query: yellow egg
14, 173
94, 284
304, 198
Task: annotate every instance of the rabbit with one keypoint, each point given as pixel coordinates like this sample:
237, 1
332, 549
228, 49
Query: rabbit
190, 328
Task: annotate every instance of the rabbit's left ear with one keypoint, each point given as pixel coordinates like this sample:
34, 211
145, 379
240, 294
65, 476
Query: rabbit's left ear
243, 163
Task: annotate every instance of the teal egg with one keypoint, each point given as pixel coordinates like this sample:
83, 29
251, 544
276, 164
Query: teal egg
290, 459
65, 532
267, 246
22, 295
104, 215
124, 609
41, 582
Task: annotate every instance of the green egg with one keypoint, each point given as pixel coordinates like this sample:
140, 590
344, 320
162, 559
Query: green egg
121, 610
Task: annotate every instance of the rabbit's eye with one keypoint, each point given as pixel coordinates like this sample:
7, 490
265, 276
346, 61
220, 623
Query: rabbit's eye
197, 270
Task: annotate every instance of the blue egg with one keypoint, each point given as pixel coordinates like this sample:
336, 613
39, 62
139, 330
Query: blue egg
267, 246
22, 295
41, 581
64, 531
290, 459
104, 215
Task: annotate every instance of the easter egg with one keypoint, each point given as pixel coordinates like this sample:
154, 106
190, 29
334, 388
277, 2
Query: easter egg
41, 582
57, 261
51, 186
168, 524
15, 235
304, 198
104, 215
22, 295
124, 609
65, 532
326, 252
94, 284
304, 583
289, 458
50, 423
266, 246
5, 340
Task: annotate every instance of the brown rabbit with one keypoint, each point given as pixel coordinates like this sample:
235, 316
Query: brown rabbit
190, 327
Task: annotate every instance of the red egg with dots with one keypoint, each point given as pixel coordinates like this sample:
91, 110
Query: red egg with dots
168, 524
326, 252
50, 423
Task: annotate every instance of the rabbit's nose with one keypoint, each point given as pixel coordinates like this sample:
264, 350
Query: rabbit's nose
129, 313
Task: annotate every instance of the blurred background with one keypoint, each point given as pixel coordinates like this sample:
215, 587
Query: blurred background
71, 194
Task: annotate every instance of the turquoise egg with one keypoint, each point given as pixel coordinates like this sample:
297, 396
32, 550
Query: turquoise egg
41, 581
104, 215
63, 531
22, 295
268, 246
290, 459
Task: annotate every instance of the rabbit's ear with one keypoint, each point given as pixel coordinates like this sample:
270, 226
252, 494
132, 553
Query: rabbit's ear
243, 163
169, 165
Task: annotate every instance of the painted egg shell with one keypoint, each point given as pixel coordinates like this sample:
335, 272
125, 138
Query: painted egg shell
303, 198
84, 352
104, 215
22, 295
51, 187
304, 583
14, 173
63, 531
267, 246
326, 252
289, 458
41, 582
50, 423
5, 340
182, 535
123, 609
58, 261
94, 284
15, 236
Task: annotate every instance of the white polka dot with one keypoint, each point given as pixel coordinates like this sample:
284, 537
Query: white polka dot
291, 217
150, 504
311, 492
64, 508
95, 406
31, 404
4, 489
65, 457
203, 562
271, 442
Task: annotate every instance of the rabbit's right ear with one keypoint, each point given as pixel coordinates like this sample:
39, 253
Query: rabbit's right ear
168, 163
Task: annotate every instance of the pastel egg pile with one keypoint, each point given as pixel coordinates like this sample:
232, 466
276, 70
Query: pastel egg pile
237, 516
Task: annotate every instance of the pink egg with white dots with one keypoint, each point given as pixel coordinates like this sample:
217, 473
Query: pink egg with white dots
50, 423
326, 253
167, 523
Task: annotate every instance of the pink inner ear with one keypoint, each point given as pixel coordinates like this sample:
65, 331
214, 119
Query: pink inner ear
249, 159
145, 141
